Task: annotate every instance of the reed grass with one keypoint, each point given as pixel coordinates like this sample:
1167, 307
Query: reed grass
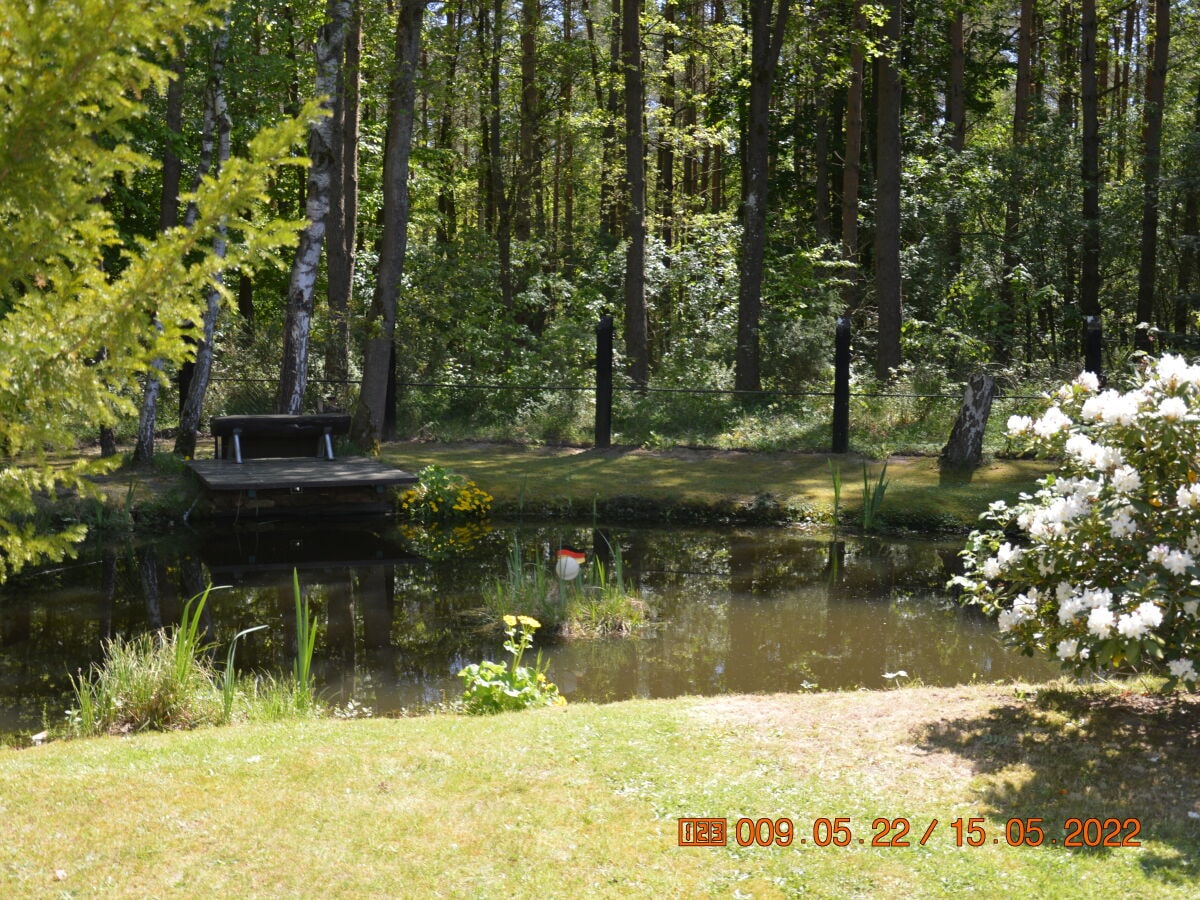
166, 680
600, 601
306, 641
872, 497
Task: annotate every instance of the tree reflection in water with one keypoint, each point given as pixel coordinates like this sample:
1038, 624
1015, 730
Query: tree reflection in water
737, 610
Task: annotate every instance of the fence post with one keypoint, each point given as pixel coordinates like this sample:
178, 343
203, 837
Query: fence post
841, 386
604, 382
1093, 345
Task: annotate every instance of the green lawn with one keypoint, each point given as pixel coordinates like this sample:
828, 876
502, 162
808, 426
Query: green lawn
585, 801
685, 484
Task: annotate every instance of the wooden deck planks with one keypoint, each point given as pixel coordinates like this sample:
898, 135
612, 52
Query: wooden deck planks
296, 473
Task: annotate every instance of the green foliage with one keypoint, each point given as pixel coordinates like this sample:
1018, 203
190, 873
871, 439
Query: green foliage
502, 687
77, 306
443, 496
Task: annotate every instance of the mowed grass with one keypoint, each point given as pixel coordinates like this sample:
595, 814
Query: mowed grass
667, 483
584, 801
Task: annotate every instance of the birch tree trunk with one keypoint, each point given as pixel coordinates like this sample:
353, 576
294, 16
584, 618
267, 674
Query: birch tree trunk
293, 374
768, 21
370, 413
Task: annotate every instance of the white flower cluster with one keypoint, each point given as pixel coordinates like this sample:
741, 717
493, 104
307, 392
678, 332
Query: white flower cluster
1105, 573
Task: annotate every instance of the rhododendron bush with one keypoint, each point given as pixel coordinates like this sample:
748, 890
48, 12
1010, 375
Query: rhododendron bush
1098, 567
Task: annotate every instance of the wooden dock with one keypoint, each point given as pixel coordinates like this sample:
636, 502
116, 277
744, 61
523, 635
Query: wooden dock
297, 486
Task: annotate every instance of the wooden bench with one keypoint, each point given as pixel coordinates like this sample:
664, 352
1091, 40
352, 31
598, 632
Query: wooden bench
276, 436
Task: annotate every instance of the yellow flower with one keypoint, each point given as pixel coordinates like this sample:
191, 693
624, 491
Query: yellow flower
528, 620
511, 621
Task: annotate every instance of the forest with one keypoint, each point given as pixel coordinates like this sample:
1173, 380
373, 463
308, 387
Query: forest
967, 181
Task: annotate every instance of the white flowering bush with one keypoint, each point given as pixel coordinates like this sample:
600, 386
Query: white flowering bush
1098, 568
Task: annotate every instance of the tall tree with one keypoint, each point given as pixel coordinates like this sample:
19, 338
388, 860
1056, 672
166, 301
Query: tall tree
1006, 320
370, 412
888, 292
168, 217
527, 185
768, 22
1188, 297
956, 119
852, 159
1089, 278
293, 372
343, 208
637, 349
1152, 127
72, 100
217, 125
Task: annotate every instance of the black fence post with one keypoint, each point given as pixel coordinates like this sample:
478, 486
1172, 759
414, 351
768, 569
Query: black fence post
841, 386
1093, 345
604, 381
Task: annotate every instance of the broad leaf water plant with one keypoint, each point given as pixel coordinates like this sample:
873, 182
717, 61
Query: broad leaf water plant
1098, 567
491, 687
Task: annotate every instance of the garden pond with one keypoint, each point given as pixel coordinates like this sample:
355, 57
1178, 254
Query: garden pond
735, 610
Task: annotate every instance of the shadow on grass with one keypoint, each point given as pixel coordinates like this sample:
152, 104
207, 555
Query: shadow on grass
1084, 754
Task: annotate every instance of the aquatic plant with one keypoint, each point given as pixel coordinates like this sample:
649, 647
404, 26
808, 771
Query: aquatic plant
600, 601
491, 687
441, 495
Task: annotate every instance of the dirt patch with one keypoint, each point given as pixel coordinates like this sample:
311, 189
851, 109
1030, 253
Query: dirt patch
872, 737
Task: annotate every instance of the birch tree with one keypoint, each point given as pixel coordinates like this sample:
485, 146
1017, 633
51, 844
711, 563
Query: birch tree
293, 374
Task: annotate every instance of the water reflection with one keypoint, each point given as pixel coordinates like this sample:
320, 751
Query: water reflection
737, 610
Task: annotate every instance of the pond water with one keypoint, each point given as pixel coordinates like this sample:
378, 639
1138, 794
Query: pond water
736, 610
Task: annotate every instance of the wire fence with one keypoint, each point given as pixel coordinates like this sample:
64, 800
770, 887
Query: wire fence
656, 416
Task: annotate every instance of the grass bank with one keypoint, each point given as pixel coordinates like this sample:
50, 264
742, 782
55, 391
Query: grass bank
584, 800
687, 486
683, 485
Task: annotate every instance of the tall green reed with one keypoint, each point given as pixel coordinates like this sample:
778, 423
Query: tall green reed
306, 642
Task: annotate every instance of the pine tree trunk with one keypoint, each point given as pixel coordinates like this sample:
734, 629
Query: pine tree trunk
1188, 298
1156, 80
1006, 324
637, 351
768, 21
1089, 279
293, 374
343, 210
168, 217
370, 414
525, 188
888, 288
501, 201
956, 118
852, 161
218, 124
